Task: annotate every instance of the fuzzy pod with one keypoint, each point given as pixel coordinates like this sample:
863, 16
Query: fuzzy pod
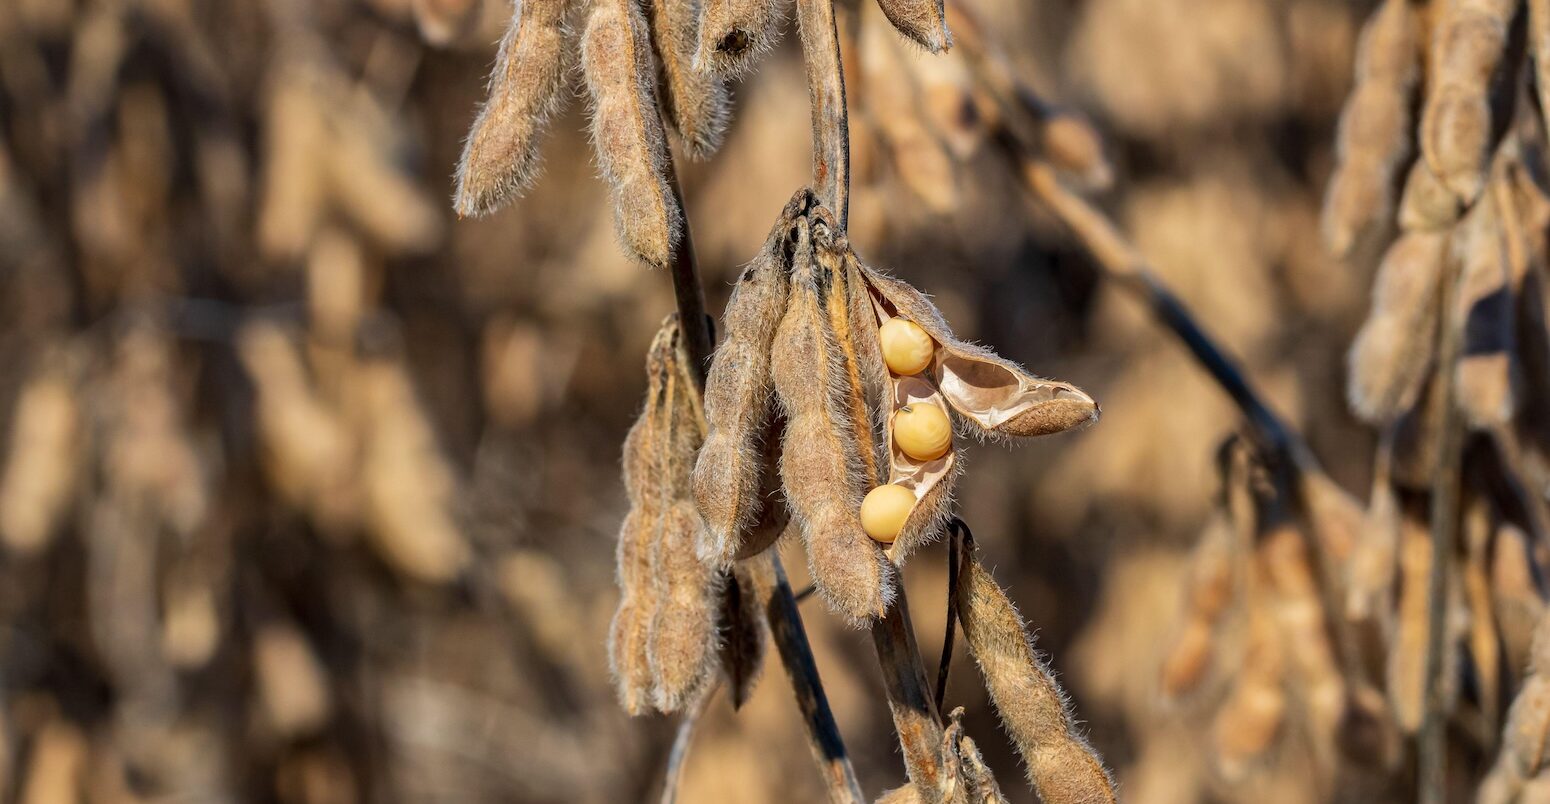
1468, 39
923, 22
41, 471
1373, 136
627, 130
893, 105
682, 640
1525, 750
1426, 204
744, 631
965, 779
823, 463
649, 499
1299, 614
1483, 384
1370, 583
1516, 603
501, 156
1393, 350
695, 101
730, 475
1210, 590
1253, 717
734, 33
992, 393
1061, 765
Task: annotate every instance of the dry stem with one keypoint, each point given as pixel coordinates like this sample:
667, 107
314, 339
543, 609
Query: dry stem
826, 96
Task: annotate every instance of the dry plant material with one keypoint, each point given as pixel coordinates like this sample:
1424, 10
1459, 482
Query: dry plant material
1061, 765
1519, 772
695, 101
1468, 39
1210, 591
1426, 205
922, 21
41, 469
1484, 302
1407, 653
828, 459
500, 158
730, 473
734, 33
627, 129
1253, 717
662, 644
1373, 137
892, 104
1393, 351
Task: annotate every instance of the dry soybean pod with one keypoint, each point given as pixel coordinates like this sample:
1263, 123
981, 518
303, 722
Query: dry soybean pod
696, 101
922, 21
1061, 765
1300, 615
734, 33
892, 103
627, 129
1209, 593
744, 631
822, 463
1253, 717
1393, 350
650, 497
1526, 736
1373, 136
1468, 39
500, 157
729, 475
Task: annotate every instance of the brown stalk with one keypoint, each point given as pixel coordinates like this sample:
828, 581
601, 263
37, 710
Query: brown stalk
916, 718
1445, 512
687, 726
826, 96
786, 629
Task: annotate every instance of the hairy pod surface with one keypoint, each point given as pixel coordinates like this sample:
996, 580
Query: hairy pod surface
696, 101
733, 34
1467, 43
730, 476
1061, 765
500, 158
744, 631
827, 460
922, 21
662, 644
627, 130
1373, 137
1393, 350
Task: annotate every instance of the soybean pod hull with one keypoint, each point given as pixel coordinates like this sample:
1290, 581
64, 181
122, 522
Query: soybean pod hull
993, 394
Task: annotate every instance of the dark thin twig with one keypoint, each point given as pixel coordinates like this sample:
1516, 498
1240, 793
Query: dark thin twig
959, 535
687, 726
823, 735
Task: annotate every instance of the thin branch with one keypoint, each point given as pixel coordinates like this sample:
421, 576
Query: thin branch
686, 729
826, 97
915, 715
960, 535
823, 736
1446, 481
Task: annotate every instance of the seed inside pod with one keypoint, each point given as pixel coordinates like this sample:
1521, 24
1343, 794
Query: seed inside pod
923, 431
907, 349
884, 511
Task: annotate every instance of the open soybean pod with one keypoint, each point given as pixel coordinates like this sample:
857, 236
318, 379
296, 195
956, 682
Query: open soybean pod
500, 158
735, 478
992, 393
